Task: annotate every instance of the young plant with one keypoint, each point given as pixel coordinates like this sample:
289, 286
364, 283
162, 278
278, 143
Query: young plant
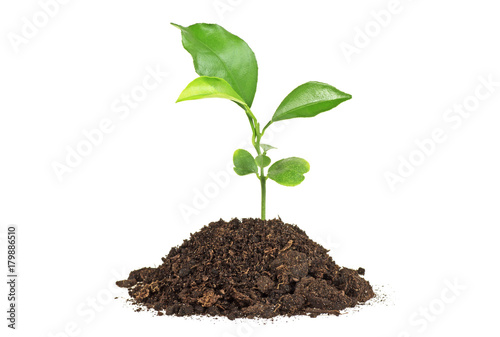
228, 69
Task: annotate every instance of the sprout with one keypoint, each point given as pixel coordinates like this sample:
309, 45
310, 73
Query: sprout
228, 69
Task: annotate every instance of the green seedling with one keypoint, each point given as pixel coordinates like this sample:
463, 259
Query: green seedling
228, 69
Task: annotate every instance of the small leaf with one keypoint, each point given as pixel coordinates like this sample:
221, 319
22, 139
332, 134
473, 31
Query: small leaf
266, 147
289, 171
218, 53
308, 100
210, 87
244, 163
262, 160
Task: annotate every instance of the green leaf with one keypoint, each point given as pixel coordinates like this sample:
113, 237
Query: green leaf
244, 163
218, 53
262, 160
210, 87
308, 100
266, 147
289, 171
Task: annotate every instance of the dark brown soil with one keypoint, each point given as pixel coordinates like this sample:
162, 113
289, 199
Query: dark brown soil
249, 268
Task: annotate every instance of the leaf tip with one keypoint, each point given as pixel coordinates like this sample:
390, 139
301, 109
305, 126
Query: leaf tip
177, 26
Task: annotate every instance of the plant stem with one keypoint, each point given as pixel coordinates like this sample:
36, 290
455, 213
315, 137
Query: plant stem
256, 137
263, 194
267, 125
262, 179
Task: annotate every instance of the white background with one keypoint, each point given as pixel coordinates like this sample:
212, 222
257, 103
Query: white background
119, 209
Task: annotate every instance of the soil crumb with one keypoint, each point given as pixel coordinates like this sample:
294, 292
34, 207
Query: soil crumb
248, 268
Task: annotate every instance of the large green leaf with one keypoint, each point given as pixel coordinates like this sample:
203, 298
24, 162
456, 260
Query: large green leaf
289, 171
210, 87
244, 163
308, 100
218, 53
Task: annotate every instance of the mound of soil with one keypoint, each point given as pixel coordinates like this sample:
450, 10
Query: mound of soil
249, 268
